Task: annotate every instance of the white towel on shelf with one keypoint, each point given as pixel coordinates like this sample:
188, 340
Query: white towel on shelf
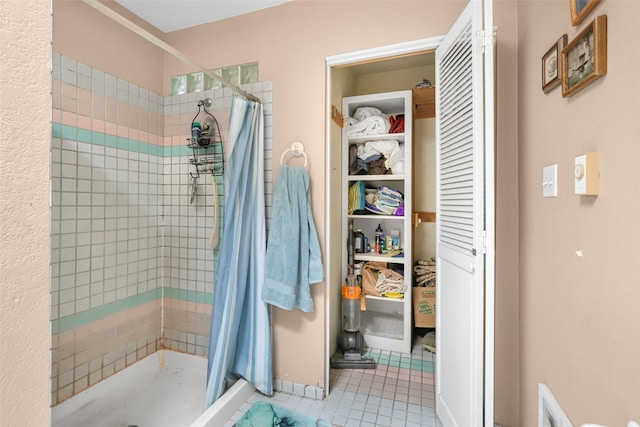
366, 112
368, 121
389, 148
374, 125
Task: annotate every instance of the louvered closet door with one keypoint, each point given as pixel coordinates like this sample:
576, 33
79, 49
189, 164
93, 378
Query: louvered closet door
461, 223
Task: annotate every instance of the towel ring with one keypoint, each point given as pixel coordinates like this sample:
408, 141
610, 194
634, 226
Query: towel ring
296, 150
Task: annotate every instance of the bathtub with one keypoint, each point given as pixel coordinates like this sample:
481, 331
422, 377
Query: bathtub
165, 389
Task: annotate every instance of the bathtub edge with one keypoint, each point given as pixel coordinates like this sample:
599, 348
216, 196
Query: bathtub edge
226, 406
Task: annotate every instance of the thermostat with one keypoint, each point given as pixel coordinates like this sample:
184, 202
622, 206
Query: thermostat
587, 174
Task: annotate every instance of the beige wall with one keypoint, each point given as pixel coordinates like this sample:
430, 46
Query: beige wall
25, 107
85, 34
507, 398
579, 315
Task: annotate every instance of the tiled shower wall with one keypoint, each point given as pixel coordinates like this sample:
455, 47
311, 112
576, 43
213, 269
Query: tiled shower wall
189, 261
131, 266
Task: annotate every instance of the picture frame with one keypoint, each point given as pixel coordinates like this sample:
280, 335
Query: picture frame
551, 66
584, 59
580, 9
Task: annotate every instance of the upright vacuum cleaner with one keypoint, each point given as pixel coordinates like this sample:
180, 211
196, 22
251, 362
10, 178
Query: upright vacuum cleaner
351, 341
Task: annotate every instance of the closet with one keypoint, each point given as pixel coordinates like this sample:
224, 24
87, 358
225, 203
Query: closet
387, 322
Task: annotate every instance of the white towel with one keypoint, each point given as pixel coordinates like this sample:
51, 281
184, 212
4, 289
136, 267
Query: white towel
366, 112
374, 125
389, 148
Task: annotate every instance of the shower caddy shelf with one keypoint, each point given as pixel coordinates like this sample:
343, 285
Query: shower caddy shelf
207, 148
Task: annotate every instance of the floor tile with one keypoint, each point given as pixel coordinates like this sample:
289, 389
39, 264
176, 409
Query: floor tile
398, 393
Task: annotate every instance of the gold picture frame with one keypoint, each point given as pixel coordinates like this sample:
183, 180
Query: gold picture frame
580, 9
551, 67
584, 59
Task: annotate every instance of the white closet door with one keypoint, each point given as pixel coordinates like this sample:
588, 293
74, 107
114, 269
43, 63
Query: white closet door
461, 229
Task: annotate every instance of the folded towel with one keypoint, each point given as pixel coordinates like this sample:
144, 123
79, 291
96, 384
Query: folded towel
374, 125
356, 197
366, 112
293, 259
390, 193
390, 281
425, 271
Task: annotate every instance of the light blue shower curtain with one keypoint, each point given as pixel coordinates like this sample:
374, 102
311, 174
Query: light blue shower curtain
240, 341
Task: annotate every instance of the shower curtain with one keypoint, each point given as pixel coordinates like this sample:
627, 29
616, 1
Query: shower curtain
240, 339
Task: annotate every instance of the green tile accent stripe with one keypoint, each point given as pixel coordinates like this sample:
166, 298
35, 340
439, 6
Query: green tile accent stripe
98, 313
191, 296
401, 361
58, 130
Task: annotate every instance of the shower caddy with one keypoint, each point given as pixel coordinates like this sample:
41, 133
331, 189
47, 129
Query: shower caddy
208, 156
206, 142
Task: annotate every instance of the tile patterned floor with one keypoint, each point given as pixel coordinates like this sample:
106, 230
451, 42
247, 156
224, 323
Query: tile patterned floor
398, 393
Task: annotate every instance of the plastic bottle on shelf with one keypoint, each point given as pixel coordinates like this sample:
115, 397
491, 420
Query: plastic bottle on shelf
395, 239
379, 239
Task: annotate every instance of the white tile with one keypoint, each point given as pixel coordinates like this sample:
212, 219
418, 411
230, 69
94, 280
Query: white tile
383, 410
383, 421
69, 76
339, 420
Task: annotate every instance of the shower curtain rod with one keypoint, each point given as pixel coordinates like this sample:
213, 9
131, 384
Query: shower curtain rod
165, 46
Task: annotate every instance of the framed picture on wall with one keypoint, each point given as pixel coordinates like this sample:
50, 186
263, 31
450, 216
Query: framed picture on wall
551, 69
580, 9
584, 59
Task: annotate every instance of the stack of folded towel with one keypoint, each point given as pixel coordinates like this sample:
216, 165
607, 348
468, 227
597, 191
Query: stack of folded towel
425, 273
384, 201
390, 281
368, 121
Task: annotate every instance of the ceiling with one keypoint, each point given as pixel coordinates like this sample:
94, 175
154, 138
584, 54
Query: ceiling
173, 15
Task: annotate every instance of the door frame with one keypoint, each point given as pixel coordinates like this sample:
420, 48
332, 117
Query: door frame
343, 60
389, 52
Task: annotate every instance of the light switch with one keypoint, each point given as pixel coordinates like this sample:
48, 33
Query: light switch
550, 181
587, 174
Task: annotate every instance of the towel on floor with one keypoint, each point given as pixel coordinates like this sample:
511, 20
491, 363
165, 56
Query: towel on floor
293, 260
265, 414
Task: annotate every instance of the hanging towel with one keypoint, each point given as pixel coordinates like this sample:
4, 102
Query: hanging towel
293, 261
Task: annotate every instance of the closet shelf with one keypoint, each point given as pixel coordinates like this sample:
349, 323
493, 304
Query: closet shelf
399, 259
362, 139
387, 322
388, 177
385, 299
424, 102
376, 216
